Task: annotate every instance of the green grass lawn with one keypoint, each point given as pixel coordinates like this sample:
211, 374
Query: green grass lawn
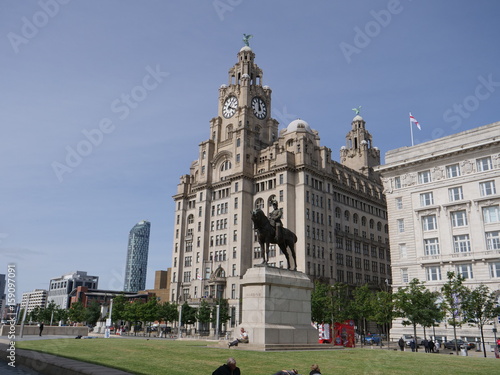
176, 357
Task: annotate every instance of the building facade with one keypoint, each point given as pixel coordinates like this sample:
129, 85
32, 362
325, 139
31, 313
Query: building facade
36, 298
3, 299
137, 257
443, 204
337, 210
61, 287
162, 285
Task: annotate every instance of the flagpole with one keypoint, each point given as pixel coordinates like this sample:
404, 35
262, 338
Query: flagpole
411, 130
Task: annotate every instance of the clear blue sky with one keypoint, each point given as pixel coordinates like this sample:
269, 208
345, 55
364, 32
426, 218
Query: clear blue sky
68, 67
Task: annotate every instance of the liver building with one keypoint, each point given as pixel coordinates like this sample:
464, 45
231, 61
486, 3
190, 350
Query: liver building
337, 210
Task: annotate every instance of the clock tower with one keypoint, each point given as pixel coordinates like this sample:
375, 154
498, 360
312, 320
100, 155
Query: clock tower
244, 125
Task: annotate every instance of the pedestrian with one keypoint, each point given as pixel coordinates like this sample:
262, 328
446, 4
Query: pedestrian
401, 344
315, 370
431, 346
40, 328
228, 369
437, 346
412, 345
426, 345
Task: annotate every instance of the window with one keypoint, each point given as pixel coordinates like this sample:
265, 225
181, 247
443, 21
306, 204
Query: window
426, 199
495, 269
429, 223
424, 177
452, 171
236, 186
401, 225
397, 182
399, 203
281, 179
433, 273
431, 246
455, 194
404, 275
491, 214
403, 253
487, 188
493, 240
259, 203
465, 270
458, 219
483, 164
461, 243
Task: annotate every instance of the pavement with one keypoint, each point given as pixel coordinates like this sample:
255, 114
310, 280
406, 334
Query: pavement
48, 364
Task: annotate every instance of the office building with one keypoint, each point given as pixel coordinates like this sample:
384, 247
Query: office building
36, 298
137, 257
61, 287
443, 205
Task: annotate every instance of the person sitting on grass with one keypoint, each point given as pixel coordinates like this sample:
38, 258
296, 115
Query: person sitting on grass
228, 369
287, 372
315, 370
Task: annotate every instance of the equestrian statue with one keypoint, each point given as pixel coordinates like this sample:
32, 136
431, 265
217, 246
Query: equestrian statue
270, 231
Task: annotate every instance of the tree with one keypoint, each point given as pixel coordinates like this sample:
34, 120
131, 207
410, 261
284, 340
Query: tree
321, 303
341, 303
133, 314
480, 307
120, 304
188, 314
383, 311
149, 312
223, 312
412, 302
362, 307
203, 315
453, 292
92, 313
76, 312
168, 312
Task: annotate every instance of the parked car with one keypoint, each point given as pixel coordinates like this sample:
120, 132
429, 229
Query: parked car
373, 339
409, 338
460, 344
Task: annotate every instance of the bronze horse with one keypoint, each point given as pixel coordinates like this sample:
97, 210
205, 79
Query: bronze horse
266, 236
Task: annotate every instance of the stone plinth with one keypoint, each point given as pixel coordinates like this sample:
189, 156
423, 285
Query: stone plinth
276, 307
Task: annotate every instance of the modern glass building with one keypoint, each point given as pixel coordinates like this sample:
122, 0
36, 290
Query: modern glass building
137, 257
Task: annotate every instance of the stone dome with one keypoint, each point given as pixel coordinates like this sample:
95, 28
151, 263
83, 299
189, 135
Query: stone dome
297, 125
357, 118
245, 48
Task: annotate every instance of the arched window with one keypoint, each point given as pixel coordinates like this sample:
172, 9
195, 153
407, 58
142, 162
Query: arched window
346, 215
355, 218
259, 203
338, 213
372, 223
379, 226
225, 165
190, 219
363, 221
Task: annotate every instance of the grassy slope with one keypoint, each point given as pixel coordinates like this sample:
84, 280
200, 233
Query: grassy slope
150, 357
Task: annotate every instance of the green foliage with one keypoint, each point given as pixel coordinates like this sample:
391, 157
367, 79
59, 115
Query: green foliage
188, 314
203, 314
453, 292
168, 312
341, 308
76, 312
120, 304
362, 306
321, 303
92, 312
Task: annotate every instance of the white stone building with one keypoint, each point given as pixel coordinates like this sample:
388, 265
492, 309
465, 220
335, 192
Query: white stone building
443, 204
36, 298
61, 287
337, 210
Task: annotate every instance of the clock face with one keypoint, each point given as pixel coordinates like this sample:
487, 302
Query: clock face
230, 106
259, 108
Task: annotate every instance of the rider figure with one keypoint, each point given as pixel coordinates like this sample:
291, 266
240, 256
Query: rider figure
275, 219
